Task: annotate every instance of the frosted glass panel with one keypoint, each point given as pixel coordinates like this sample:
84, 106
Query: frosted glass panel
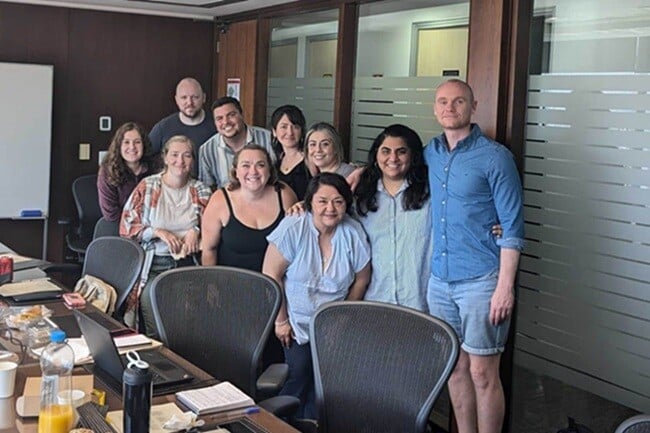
379, 102
584, 304
314, 96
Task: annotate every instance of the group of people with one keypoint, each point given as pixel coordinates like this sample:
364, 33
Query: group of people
437, 228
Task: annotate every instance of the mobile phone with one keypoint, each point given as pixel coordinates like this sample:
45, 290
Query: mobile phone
122, 331
74, 300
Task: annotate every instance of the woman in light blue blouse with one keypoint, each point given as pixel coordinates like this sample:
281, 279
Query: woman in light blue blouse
317, 257
392, 204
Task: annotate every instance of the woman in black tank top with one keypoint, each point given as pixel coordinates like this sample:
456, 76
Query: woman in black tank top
240, 216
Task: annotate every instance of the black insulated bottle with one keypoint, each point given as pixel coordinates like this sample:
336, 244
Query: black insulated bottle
136, 397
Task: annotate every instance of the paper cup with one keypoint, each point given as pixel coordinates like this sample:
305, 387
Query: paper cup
7, 413
7, 378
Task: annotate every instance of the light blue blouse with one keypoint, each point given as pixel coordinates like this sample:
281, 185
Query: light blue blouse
401, 243
307, 285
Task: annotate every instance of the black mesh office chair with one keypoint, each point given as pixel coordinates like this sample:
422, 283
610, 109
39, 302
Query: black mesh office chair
117, 261
219, 318
86, 198
378, 367
106, 228
635, 424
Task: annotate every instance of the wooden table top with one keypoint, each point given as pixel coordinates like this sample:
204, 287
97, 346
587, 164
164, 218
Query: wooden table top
11, 422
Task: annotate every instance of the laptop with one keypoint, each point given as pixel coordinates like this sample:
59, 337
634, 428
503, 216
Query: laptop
109, 365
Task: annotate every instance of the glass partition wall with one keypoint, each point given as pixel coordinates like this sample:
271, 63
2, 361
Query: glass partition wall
302, 64
584, 300
405, 48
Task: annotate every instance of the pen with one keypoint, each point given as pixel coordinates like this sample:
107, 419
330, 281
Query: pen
245, 411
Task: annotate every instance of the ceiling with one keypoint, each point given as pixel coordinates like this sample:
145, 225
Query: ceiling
196, 9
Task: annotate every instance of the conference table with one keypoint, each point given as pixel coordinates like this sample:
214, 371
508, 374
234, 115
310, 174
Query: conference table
262, 421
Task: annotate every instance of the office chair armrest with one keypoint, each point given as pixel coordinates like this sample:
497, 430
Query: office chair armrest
271, 380
281, 405
305, 425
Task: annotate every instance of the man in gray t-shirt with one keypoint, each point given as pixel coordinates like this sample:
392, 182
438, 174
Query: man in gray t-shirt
190, 121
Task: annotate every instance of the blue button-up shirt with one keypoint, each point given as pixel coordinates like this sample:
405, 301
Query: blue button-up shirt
401, 245
472, 188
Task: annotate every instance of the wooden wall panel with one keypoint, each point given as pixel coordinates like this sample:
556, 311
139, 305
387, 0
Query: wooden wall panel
237, 58
485, 60
36, 34
122, 65
345, 62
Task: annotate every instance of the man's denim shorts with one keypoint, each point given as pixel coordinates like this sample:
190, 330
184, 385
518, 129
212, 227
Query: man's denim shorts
465, 305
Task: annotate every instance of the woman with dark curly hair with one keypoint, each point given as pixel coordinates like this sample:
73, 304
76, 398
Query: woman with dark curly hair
128, 161
392, 204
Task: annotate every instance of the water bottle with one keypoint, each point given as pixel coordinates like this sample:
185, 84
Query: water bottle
137, 389
57, 361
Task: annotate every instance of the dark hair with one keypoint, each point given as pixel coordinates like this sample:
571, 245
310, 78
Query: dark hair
225, 100
332, 179
273, 178
417, 191
114, 165
296, 117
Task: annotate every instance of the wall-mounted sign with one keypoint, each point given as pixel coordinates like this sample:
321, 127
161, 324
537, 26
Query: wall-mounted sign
232, 87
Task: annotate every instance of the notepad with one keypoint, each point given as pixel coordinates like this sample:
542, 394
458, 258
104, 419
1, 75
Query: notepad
221, 397
132, 340
38, 285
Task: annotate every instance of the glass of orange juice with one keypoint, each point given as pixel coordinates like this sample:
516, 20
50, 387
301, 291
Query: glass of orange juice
56, 418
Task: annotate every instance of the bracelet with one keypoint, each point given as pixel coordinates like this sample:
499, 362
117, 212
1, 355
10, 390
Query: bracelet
284, 322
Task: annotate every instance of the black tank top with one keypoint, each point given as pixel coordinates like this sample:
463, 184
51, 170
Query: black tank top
242, 246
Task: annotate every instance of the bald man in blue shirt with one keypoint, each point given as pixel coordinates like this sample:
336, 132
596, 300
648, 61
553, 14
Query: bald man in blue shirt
474, 181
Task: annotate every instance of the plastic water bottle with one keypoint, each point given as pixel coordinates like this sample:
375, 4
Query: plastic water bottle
57, 361
137, 389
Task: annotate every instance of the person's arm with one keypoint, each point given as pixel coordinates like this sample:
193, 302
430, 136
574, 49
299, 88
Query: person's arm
275, 266
135, 223
200, 197
108, 198
206, 170
360, 284
211, 229
132, 224
503, 299
508, 199
288, 197
354, 178
174, 244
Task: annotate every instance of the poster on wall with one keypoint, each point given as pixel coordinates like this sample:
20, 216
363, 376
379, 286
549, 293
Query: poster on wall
232, 87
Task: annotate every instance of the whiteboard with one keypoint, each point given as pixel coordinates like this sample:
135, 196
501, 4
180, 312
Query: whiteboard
25, 137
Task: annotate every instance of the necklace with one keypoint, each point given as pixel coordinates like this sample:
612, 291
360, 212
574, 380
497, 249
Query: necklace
289, 162
325, 261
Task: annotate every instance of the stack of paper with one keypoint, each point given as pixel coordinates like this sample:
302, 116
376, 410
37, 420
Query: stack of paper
221, 397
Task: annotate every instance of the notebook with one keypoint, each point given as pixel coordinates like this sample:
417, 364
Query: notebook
109, 365
221, 397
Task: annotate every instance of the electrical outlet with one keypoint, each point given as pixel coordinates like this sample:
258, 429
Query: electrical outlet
84, 151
